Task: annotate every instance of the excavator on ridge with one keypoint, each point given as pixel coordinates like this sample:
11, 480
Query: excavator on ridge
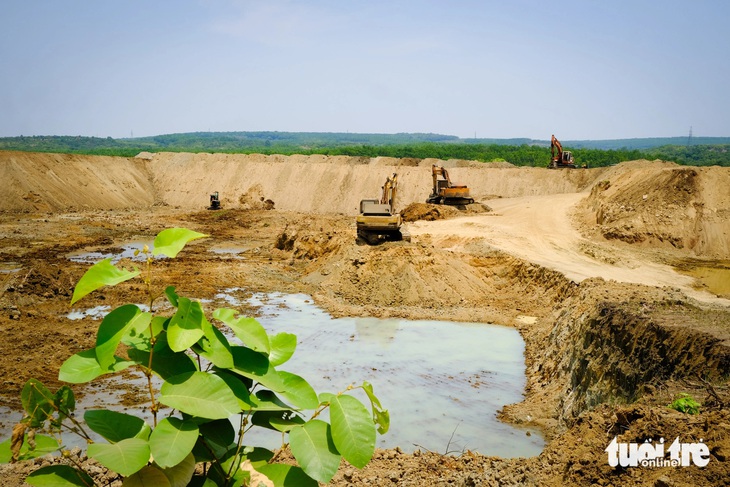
378, 220
562, 159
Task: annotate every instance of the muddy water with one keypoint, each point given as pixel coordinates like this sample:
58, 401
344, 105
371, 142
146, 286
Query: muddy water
442, 382
711, 275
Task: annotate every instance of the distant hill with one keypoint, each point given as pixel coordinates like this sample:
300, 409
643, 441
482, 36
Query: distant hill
520, 151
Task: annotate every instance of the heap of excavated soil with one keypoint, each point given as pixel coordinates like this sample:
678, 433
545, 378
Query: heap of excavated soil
661, 204
430, 212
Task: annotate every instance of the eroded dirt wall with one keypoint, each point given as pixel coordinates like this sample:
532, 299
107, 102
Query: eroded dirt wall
319, 184
621, 346
31, 182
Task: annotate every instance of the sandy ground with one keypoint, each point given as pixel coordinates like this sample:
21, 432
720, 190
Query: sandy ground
584, 263
541, 230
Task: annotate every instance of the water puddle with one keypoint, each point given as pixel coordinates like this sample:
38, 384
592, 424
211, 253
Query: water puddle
95, 313
10, 267
116, 254
713, 276
232, 252
442, 382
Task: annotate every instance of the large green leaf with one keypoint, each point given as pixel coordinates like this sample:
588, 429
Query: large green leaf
265, 400
172, 296
213, 346
64, 398
220, 432
83, 367
314, 450
171, 241
186, 326
286, 475
180, 474
245, 401
99, 275
215, 439
38, 402
124, 457
352, 430
165, 362
200, 394
59, 476
149, 476
172, 440
282, 421
282, 348
298, 391
114, 327
114, 426
44, 445
248, 330
141, 338
256, 366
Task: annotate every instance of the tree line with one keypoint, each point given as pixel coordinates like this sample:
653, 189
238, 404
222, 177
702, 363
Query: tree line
516, 151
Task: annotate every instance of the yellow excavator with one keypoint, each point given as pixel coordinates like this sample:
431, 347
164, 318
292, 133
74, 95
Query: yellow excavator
562, 159
445, 192
378, 220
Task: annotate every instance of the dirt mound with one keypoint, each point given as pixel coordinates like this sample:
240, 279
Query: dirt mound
309, 241
254, 199
663, 204
427, 212
430, 212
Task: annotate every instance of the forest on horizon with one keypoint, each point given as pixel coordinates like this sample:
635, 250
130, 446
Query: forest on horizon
699, 151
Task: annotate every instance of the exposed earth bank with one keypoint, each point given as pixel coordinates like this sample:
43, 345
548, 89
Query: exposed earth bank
584, 263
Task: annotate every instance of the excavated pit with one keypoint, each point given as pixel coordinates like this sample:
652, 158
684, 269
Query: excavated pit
603, 358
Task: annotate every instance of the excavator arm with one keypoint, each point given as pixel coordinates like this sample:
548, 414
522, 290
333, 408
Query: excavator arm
556, 145
390, 188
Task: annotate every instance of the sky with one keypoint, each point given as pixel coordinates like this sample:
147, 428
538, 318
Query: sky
488, 69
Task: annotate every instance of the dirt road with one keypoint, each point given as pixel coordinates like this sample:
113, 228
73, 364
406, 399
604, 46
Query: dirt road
542, 230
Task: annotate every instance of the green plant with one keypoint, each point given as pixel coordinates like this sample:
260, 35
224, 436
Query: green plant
206, 381
685, 404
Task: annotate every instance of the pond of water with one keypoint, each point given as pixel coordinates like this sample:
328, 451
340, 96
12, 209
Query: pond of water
443, 382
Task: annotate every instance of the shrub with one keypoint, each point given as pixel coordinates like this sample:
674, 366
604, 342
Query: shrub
685, 404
